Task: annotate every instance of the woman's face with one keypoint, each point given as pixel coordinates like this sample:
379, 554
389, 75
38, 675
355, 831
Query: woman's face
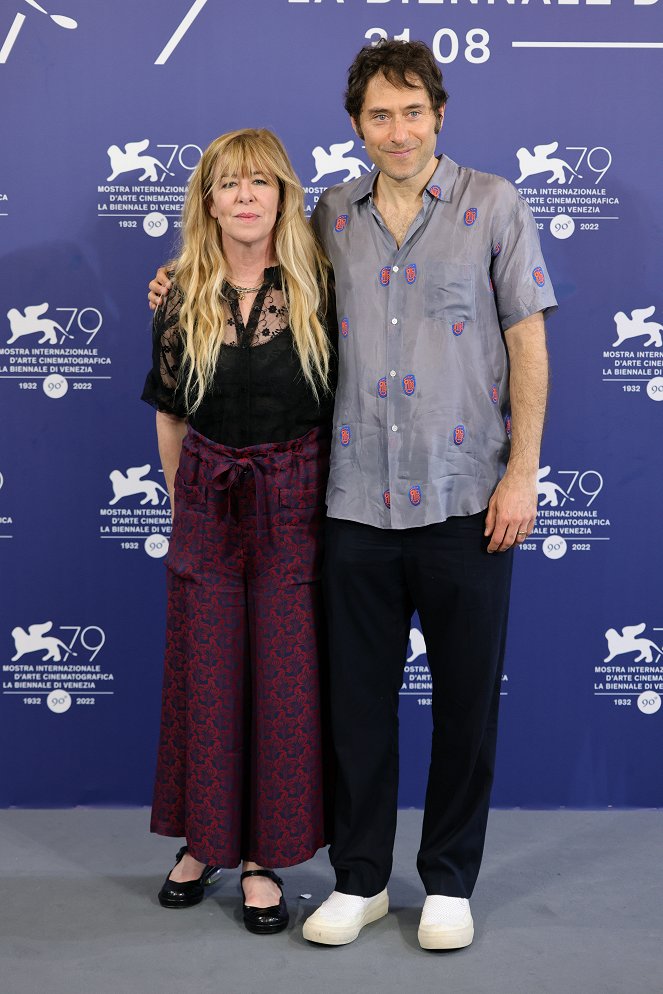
245, 207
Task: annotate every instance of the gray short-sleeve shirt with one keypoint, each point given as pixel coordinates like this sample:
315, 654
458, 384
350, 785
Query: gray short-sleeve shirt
422, 415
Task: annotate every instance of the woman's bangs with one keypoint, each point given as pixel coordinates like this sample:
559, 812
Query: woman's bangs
244, 158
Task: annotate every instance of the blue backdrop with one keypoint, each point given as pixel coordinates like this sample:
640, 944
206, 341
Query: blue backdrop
105, 110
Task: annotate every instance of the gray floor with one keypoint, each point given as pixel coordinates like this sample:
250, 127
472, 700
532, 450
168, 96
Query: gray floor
567, 902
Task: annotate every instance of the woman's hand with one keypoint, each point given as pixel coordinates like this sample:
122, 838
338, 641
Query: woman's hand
159, 287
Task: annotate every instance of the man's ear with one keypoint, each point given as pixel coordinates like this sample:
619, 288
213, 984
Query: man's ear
439, 113
355, 127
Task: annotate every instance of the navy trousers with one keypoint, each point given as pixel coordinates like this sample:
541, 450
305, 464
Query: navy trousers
373, 580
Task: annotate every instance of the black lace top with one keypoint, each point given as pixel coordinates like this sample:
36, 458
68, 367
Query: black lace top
259, 393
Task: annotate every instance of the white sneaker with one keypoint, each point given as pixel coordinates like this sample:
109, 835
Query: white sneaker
446, 923
341, 917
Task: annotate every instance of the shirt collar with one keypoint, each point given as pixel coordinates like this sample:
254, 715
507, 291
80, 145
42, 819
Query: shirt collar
442, 181
364, 186
439, 185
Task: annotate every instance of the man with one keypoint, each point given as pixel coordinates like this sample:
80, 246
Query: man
442, 389
441, 291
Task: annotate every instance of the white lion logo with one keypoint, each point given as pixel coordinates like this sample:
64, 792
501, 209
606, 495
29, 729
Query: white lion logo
549, 490
34, 641
627, 642
539, 162
417, 645
130, 159
636, 325
32, 322
335, 161
131, 483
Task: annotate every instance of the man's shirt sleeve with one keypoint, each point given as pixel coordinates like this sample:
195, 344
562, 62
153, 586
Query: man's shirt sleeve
518, 271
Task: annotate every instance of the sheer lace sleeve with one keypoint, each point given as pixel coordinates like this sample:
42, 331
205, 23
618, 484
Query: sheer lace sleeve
161, 386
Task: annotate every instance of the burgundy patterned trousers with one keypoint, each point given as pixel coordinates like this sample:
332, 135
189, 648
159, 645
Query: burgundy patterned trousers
239, 769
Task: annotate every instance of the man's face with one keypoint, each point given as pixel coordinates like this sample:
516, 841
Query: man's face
398, 126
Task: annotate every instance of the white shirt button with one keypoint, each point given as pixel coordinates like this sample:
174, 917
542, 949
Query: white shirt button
394, 427
394, 320
395, 268
392, 372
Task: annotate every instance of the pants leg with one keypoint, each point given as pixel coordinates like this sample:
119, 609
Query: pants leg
368, 611
283, 545
202, 763
287, 815
218, 750
462, 595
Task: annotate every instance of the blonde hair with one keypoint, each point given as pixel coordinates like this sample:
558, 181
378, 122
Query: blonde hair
201, 266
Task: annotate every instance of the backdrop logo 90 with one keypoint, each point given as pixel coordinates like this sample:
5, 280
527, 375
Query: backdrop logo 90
634, 361
568, 189
137, 514
145, 187
54, 346
56, 665
568, 517
637, 675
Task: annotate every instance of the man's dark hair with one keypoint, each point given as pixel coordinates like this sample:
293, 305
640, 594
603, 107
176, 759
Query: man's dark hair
398, 61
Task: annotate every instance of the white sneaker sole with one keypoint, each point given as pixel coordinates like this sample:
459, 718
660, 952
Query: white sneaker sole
439, 937
329, 934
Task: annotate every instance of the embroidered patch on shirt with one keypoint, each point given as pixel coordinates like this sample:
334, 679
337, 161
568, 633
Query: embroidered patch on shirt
458, 327
345, 327
382, 387
409, 384
459, 434
497, 248
538, 277
435, 191
346, 435
494, 393
471, 214
385, 275
411, 273
415, 495
341, 222
507, 424
386, 497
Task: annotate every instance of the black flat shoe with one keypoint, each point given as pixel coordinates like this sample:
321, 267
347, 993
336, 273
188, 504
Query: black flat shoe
184, 895
264, 921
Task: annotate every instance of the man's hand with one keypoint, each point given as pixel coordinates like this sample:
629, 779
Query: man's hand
159, 287
511, 511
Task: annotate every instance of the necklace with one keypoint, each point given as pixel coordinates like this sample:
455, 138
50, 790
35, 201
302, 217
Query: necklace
242, 291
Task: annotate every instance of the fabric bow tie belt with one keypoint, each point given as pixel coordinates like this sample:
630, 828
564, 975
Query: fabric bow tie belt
228, 470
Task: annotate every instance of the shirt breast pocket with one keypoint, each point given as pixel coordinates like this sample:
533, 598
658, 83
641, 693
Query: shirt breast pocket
450, 295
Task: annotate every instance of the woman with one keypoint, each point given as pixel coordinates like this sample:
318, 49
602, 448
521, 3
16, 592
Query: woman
242, 380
